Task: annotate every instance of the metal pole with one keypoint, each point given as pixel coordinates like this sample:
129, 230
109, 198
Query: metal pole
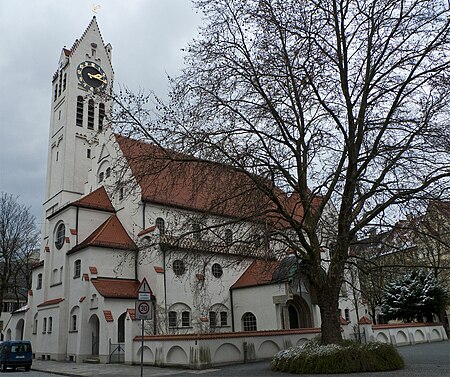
142, 348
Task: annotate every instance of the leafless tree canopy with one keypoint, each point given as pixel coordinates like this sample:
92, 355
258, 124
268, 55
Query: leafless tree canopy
18, 240
342, 100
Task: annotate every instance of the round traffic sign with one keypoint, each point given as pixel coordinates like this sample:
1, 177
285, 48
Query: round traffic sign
143, 308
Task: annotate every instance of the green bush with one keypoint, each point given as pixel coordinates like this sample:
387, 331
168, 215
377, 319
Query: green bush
346, 357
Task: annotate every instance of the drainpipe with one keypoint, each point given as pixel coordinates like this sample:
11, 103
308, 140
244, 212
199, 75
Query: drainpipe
76, 226
165, 291
232, 310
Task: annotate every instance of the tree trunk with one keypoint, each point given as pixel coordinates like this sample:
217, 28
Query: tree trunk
329, 311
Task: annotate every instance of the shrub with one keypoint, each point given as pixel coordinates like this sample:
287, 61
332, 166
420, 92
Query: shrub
346, 357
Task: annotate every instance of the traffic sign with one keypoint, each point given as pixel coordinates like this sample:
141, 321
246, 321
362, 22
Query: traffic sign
144, 287
143, 310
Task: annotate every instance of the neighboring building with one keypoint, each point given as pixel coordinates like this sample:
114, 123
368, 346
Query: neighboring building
100, 240
416, 242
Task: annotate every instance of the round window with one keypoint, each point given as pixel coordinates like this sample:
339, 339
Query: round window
178, 267
60, 235
217, 270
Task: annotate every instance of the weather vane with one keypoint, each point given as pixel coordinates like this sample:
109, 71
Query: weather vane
95, 8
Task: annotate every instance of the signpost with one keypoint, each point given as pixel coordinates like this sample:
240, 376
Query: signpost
143, 311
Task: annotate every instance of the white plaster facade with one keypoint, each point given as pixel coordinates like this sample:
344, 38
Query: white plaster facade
97, 245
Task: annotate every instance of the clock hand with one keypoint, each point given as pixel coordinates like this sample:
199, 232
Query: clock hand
98, 77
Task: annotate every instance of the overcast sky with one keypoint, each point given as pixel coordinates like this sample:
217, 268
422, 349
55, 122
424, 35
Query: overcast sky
147, 37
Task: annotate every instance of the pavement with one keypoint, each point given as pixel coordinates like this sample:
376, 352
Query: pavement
421, 360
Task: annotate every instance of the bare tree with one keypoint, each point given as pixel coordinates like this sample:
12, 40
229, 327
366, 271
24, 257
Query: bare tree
340, 105
18, 241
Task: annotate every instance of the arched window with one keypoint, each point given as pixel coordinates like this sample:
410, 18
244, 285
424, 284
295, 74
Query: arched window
108, 172
39, 281
60, 83
44, 325
60, 235
90, 124
73, 322
77, 269
80, 105
101, 116
228, 236
35, 324
55, 276
101, 176
178, 267
160, 225
50, 325
249, 322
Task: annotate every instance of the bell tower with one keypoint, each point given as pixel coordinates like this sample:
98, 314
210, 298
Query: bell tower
79, 106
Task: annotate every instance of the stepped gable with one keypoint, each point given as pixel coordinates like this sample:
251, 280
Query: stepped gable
111, 234
97, 199
92, 24
171, 178
260, 272
116, 288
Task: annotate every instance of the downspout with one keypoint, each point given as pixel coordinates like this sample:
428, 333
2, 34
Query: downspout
76, 226
165, 291
143, 216
232, 310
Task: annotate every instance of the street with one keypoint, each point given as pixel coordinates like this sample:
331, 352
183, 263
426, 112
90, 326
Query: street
429, 359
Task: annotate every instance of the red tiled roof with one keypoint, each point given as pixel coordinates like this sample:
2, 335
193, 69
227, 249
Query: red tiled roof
108, 315
158, 269
73, 232
343, 321
148, 230
93, 270
174, 179
132, 314
364, 321
116, 288
110, 234
97, 199
50, 302
258, 273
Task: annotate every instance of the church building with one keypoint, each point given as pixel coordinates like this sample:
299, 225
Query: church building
119, 212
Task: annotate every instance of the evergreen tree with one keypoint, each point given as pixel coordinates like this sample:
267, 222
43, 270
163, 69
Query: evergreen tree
413, 296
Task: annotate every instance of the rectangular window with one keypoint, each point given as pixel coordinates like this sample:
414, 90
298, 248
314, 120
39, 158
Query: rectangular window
88, 153
44, 325
185, 319
50, 324
223, 319
172, 319
73, 323
212, 319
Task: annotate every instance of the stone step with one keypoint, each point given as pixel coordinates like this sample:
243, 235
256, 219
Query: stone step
91, 360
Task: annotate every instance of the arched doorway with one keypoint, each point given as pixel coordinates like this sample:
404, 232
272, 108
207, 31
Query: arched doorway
121, 328
299, 313
94, 325
19, 329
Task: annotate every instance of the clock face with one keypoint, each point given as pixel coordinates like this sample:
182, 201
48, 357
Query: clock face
92, 77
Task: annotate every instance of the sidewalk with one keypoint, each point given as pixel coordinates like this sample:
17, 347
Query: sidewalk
110, 370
